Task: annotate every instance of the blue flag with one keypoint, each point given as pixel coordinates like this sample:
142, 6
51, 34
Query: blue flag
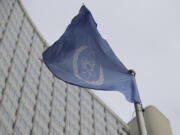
82, 57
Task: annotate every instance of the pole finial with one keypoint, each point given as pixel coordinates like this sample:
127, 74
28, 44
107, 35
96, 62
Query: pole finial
132, 72
83, 2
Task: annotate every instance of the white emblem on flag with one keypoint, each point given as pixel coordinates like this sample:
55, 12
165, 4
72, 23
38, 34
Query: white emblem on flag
87, 63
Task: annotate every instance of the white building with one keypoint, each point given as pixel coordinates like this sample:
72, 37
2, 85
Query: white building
32, 101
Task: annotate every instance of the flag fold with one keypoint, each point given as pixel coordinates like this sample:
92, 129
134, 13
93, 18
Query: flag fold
82, 57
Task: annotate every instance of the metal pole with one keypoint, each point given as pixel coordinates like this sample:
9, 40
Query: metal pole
139, 113
140, 119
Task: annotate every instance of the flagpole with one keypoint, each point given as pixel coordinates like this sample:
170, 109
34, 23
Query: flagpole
139, 113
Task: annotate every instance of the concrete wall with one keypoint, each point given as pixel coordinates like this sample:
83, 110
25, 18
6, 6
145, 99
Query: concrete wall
156, 123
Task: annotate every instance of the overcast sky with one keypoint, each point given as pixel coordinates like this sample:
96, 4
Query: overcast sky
145, 35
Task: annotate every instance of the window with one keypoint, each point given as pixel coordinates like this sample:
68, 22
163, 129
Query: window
26, 111
17, 131
72, 127
20, 61
18, 10
53, 131
9, 45
6, 116
5, 54
58, 101
3, 66
15, 22
23, 54
20, 58
43, 108
27, 100
28, 27
38, 128
11, 34
60, 84
29, 89
25, 39
45, 88
16, 72
98, 106
2, 76
42, 119
58, 113
56, 122
22, 122
44, 97
17, 17
4, 9
60, 92
19, 64
3, 130
10, 104
30, 80
12, 92
14, 82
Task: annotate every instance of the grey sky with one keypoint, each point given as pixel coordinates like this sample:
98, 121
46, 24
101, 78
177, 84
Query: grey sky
145, 35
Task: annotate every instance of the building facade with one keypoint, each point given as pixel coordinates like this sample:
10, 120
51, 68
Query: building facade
32, 101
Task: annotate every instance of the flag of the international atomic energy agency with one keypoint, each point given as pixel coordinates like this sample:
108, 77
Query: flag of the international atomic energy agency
82, 57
